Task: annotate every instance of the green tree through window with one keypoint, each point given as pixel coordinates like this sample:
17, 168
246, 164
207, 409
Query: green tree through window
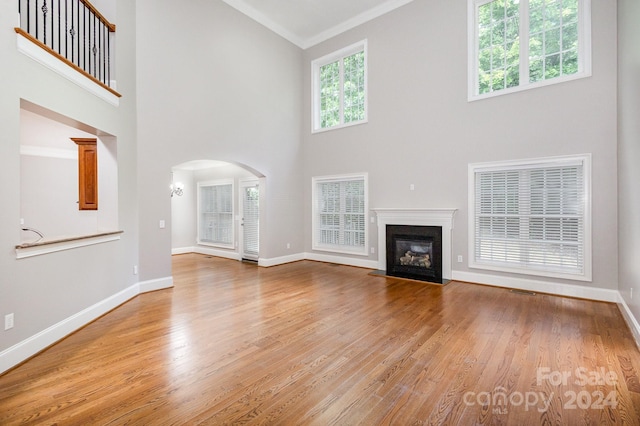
340, 88
522, 42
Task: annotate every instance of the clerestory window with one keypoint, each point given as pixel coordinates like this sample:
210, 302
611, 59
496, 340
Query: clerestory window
339, 88
521, 44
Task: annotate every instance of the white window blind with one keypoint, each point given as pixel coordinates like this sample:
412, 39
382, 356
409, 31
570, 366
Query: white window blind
340, 214
215, 214
251, 221
532, 217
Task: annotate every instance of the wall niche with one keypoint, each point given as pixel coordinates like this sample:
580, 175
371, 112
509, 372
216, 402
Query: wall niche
65, 167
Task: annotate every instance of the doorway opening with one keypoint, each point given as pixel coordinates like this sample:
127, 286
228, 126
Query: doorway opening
216, 209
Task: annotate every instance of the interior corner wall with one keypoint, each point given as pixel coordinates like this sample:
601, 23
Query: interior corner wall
422, 131
629, 153
214, 84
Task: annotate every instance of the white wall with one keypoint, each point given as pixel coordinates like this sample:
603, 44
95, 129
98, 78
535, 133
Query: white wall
629, 152
422, 130
183, 211
214, 84
45, 291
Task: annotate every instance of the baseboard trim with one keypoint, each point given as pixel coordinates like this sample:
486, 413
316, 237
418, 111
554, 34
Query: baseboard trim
342, 260
568, 290
182, 250
210, 251
632, 323
275, 261
154, 285
31, 346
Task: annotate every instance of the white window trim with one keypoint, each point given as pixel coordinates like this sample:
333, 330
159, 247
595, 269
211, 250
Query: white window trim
315, 86
585, 160
314, 221
220, 182
584, 51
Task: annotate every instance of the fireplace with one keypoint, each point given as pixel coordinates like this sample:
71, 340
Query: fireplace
414, 252
425, 242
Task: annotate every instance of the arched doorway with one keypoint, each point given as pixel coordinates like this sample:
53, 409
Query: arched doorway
216, 209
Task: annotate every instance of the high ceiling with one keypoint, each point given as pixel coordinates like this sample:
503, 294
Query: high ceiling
309, 22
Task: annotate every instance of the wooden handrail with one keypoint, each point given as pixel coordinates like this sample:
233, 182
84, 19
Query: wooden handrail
65, 60
110, 26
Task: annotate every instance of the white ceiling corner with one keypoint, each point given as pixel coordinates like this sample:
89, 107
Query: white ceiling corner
306, 23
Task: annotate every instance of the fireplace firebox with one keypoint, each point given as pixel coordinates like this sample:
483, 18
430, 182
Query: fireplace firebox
415, 252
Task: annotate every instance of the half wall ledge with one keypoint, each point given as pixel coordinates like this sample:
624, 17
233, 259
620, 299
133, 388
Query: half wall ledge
52, 245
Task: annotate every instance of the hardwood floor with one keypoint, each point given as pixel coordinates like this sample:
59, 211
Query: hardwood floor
314, 343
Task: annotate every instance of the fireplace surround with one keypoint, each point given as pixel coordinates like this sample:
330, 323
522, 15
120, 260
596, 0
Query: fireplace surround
424, 221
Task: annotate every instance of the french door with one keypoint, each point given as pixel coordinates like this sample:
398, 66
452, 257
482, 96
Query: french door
250, 219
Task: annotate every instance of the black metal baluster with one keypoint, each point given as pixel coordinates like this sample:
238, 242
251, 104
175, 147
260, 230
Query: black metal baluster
59, 34
77, 25
66, 29
53, 35
101, 52
44, 21
35, 11
53, 11
94, 48
90, 45
28, 16
72, 32
108, 57
84, 37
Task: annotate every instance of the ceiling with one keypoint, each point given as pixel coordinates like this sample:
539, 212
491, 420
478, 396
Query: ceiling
309, 22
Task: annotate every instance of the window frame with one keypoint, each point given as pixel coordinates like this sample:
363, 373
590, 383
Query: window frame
584, 50
316, 64
538, 163
200, 240
345, 249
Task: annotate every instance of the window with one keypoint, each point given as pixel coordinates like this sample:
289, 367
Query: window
340, 88
532, 217
520, 44
215, 213
339, 218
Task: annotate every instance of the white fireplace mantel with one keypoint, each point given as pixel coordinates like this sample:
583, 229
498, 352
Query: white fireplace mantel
417, 217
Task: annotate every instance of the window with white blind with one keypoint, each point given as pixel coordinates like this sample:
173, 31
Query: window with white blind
522, 44
340, 213
215, 213
532, 217
339, 88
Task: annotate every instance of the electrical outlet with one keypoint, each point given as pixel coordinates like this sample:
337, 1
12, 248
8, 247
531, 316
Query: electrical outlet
373, 250
459, 258
288, 246
135, 269
8, 321
162, 224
